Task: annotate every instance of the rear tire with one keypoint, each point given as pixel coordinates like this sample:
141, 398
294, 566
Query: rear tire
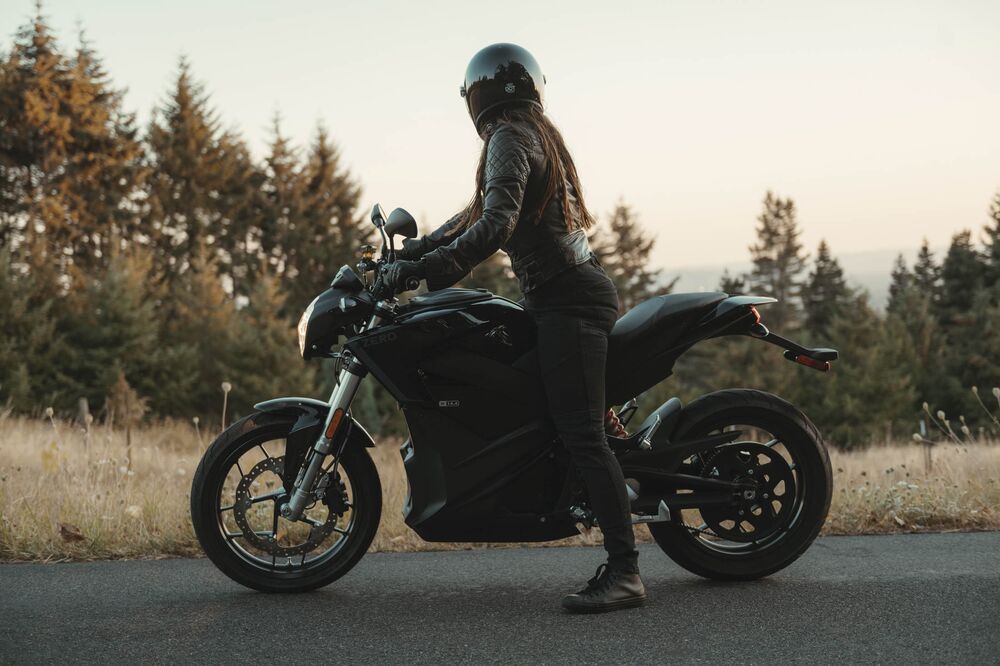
208, 483
801, 438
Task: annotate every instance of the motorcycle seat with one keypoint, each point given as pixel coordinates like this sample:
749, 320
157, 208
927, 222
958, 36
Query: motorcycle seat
658, 318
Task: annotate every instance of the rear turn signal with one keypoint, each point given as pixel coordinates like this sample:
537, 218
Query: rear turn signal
822, 366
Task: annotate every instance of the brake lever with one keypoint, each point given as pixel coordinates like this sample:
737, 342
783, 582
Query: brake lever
378, 283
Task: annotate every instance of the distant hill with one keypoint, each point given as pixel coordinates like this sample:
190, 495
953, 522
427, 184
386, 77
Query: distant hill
867, 270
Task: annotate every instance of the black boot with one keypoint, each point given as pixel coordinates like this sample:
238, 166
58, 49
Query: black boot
610, 589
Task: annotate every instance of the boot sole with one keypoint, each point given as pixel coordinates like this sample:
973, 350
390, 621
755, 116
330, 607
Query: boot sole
607, 607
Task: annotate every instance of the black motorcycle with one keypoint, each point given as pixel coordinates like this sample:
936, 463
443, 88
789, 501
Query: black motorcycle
734, 486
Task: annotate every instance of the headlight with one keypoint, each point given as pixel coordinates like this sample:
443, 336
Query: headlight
304, 326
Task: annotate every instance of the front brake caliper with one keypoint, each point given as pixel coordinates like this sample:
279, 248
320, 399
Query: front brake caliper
334, 494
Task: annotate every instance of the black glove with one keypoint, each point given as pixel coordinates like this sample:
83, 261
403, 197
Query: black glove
403, 275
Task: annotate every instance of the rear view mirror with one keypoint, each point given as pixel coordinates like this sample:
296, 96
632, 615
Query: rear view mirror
401, 223
378, 216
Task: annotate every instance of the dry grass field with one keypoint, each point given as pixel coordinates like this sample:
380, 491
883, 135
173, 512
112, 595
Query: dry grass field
67, 494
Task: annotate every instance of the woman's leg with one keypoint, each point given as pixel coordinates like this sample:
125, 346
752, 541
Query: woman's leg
572, 352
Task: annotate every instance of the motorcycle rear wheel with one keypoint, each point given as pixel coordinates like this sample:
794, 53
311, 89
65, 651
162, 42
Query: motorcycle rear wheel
246, 560
800, 443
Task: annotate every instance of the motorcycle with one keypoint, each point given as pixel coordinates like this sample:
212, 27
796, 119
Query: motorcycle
733, 486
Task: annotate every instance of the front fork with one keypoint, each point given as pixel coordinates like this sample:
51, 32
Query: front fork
340, 400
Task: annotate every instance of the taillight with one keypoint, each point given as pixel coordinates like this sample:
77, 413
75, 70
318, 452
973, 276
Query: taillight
822, 366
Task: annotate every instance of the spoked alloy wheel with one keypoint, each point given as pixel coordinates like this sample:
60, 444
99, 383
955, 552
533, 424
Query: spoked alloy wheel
236, 503
783, 469
250, 502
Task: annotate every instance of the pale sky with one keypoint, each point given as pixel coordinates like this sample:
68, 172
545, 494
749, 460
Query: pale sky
881, 119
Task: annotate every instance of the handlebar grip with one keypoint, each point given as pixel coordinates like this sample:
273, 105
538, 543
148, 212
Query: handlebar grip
412, 283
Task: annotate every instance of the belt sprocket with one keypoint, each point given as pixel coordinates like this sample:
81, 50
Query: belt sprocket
763, 505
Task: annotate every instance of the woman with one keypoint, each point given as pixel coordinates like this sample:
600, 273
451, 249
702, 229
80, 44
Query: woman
528, 202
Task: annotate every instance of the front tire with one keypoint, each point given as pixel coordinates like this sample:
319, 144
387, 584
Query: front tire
242, 559
806, 453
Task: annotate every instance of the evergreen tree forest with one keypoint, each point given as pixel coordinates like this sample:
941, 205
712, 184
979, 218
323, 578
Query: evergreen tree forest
169, 260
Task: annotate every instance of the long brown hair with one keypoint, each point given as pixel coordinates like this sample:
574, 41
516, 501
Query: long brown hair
561, 170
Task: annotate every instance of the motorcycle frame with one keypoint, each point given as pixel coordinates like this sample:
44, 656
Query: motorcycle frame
651, 450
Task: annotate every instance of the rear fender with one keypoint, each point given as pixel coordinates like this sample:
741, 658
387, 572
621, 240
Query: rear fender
310, 416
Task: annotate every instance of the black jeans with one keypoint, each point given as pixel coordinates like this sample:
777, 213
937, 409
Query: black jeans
574, 313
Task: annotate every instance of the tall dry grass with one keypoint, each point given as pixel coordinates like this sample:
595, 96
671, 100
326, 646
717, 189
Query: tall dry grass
66, 493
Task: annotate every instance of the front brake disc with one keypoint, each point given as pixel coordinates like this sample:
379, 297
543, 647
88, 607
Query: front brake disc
268, 541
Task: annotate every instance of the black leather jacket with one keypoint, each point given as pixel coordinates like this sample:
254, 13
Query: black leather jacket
514, 183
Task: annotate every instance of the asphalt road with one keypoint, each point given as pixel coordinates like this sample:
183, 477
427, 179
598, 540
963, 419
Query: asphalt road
922, 598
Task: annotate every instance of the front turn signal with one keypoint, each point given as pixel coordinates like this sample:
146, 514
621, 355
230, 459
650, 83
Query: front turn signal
331, 429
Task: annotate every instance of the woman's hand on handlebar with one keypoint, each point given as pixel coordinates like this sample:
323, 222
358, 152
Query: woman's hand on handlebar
399, 276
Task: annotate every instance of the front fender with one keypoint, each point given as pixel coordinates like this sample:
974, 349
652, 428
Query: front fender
310, 415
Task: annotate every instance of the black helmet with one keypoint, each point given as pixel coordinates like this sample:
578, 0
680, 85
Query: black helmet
500, 75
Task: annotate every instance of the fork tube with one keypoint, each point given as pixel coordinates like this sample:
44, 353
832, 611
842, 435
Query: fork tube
340, 399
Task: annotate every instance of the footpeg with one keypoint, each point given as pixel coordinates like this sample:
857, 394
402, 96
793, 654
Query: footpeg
662, 515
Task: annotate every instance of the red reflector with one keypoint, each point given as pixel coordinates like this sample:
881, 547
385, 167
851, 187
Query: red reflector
331, 429
822, 366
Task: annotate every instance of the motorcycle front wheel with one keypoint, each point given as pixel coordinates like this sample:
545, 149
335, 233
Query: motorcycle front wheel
781, 459
237, 495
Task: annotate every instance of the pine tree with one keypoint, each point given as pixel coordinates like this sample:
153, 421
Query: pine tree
961, 278
31, 346
926, 273
329, 232
991, 253
69, 156
624, 251
902, 280
969, 357
913, 315
113, 328
34, 138
283, 207
199, 333
202, 183
106, 167
870, 389
778, 261
825, 294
